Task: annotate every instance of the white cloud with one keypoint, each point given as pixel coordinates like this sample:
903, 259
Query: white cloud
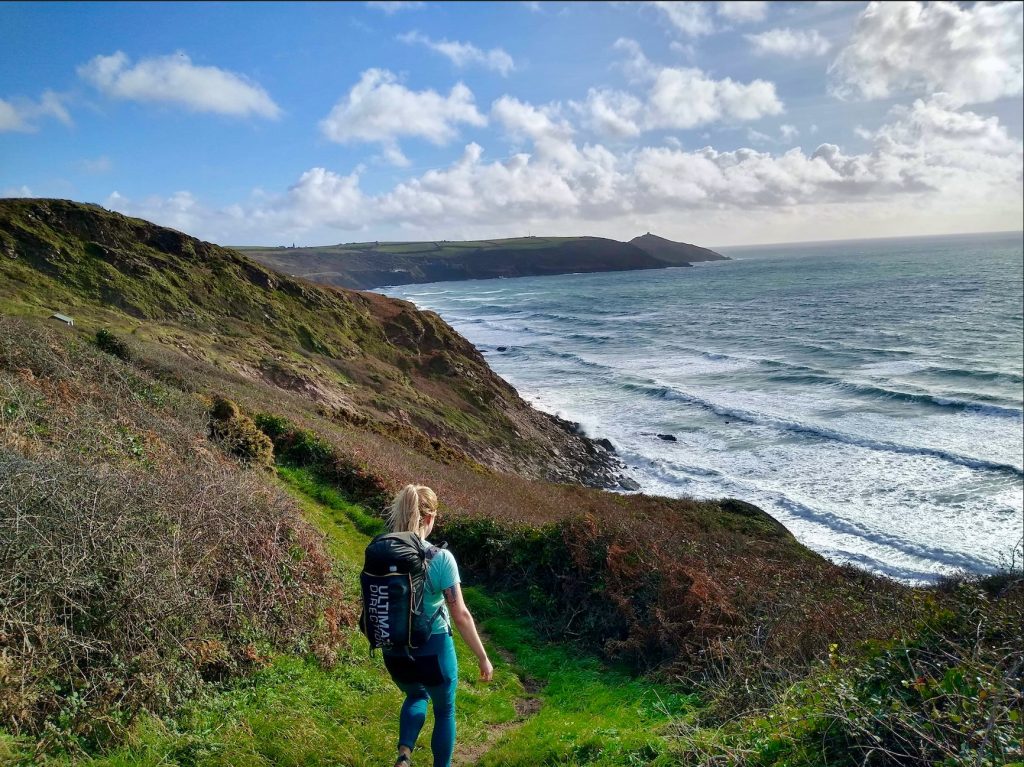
181, 211
792, 43
694, 18
930, 162
523, 119
380, 109
691, 19
175, 79
393, 155
742, 10
391, 7
611, 112
687, 98
23, 115
677, 98
464, 54
974, 53
788, 132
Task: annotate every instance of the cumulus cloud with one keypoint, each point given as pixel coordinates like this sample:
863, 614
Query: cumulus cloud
742, 10
928, 156
176, 80
23, 115
686, 98
611, 113
974, 53
380, 109
792, 43
788, 132
676, 98
464, 54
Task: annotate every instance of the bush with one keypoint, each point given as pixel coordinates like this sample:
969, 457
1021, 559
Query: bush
135, 562
111, 344
303, 448
239, 434
124, 589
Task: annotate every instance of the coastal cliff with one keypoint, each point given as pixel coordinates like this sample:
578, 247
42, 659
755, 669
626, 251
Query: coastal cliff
374, 264
189, 473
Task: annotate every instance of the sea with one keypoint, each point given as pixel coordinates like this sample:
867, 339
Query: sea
867, 394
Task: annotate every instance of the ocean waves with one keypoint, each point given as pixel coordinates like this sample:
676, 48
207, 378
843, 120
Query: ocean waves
660, 391
861, 396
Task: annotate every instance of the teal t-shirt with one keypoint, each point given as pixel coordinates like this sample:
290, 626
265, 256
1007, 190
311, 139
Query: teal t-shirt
442, 573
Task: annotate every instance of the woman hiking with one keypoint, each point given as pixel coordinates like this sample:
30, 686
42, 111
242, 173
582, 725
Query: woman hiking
432, 671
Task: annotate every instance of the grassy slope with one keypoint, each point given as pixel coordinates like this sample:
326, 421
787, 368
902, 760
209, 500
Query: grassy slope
372, 264
359, 357
295, 713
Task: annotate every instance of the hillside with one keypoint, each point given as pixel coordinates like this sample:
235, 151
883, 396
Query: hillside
188, 476
674, 253
359, 357
374, 264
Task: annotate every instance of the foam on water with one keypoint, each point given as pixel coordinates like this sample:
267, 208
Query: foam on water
868, 395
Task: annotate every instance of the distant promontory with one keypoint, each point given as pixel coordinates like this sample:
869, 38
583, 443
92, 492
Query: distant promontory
365, 265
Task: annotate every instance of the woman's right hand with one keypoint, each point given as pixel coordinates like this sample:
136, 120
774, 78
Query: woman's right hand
486, 670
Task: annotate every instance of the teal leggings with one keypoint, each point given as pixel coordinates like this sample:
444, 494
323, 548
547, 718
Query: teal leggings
431, 673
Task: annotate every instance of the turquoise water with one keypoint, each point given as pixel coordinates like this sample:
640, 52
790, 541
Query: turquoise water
867, 394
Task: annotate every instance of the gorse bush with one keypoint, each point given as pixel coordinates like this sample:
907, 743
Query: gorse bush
238, 434
111, 344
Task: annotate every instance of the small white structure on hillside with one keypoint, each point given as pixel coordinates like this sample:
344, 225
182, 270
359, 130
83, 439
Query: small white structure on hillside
63, 318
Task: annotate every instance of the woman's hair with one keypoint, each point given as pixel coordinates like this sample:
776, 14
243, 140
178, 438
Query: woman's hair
409, 504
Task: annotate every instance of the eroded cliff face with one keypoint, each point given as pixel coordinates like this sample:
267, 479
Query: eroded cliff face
369, 361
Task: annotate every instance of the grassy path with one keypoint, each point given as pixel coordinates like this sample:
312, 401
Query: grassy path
547, 704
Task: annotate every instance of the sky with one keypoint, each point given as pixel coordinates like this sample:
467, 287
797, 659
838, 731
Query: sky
729, 123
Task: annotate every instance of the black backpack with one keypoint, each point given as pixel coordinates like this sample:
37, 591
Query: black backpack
393, 580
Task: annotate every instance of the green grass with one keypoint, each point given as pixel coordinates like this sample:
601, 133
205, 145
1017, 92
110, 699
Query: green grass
295, 713
305, 483
590, 714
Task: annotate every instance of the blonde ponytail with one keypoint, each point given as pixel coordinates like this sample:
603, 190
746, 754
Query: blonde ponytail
405, 512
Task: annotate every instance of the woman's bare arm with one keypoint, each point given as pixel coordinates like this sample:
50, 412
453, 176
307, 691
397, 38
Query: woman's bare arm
463, 621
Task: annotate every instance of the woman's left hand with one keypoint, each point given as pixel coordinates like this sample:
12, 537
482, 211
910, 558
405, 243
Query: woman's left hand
486, 670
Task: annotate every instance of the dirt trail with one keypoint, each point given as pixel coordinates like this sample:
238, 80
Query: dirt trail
526, 706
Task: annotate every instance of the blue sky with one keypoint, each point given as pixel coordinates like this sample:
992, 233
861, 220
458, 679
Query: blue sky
718, 123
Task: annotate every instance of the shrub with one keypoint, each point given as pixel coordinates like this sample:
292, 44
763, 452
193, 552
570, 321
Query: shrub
134, 562
122, 589
112, 344
239, 434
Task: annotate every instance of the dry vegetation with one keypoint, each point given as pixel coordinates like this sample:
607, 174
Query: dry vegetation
138, 559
